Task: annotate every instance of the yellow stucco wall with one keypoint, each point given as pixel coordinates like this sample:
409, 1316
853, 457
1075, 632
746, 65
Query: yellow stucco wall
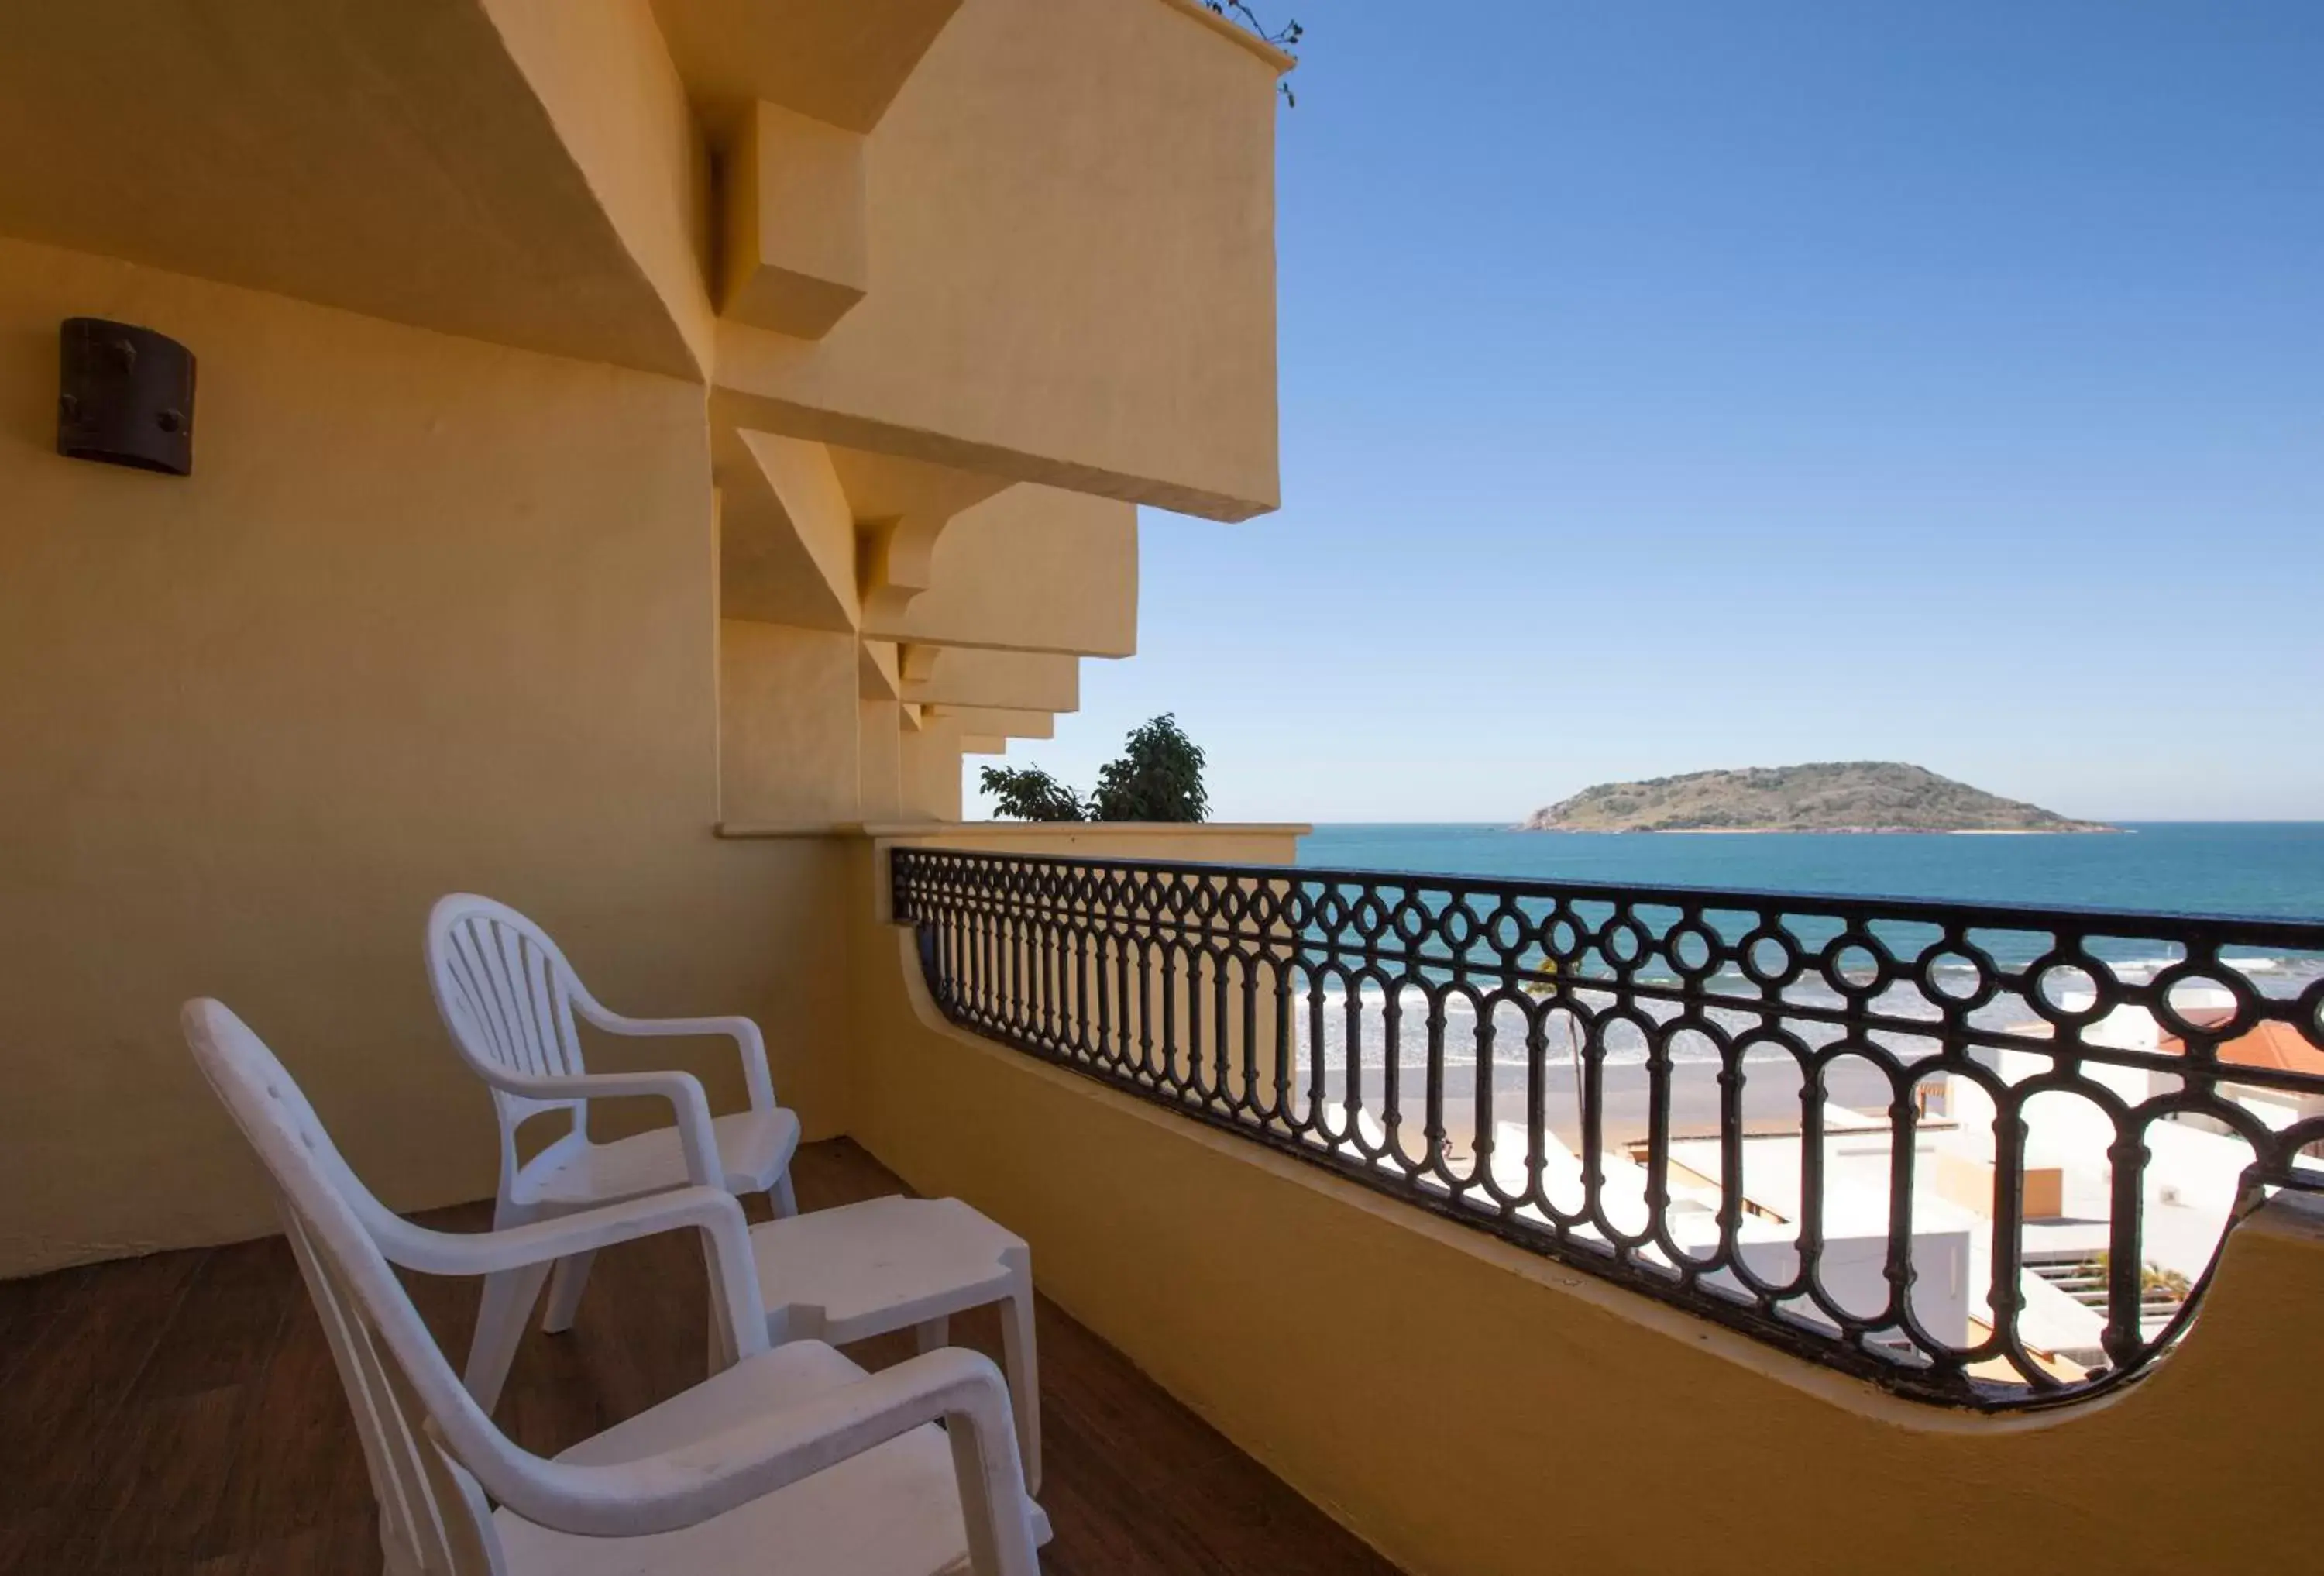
428, 615
1470, 1408
788, 706
440, 611
928, 770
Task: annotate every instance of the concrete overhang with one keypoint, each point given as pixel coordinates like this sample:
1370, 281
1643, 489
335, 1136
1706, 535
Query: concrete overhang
838, 60
876, 674
787, 550
1043, 681
827, 537
902, 509
398, 161
994, 723
1067, 272
1028, 569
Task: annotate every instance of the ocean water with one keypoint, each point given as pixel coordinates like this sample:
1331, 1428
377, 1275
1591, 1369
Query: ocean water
2260, 869
2246, 869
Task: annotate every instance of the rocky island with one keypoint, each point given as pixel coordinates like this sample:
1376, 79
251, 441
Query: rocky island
1849, 796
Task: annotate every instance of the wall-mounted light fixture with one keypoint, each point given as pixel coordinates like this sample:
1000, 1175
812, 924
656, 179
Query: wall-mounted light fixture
126, 397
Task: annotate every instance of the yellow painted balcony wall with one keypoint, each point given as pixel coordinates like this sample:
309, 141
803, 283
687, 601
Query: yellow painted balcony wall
1475, 1410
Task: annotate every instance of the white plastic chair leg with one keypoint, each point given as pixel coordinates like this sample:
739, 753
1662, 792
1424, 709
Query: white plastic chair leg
721, 1343
781, 1199
501, 1317
1021, 1362
565, 1289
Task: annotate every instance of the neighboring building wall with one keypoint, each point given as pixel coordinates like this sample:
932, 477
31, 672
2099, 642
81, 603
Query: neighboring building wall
428, 615
1469, 1407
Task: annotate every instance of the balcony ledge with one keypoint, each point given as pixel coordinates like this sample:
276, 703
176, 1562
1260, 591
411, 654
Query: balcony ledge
1282, 61
1061, 835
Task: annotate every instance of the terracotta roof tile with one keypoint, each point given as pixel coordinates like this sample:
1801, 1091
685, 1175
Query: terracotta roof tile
2277, 1047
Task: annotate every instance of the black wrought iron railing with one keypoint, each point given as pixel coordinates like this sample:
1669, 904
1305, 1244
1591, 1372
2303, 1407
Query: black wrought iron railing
1983, 1155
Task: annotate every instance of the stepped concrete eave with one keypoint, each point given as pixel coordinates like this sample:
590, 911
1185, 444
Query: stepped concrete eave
1029, 569
369, 115
924, 557
974, 676
997, 723
786, 533
842, 61
1114, 334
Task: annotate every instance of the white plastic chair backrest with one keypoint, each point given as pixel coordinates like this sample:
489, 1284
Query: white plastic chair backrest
433, 1515
506, 994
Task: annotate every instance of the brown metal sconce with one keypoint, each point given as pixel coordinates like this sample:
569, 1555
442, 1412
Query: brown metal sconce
126, 397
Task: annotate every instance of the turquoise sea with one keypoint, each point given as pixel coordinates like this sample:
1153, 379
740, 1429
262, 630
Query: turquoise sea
2266, 869
2246, 869
2249, 869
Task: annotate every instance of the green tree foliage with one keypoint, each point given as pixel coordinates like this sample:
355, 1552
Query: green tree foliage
1031, 794
1158, 778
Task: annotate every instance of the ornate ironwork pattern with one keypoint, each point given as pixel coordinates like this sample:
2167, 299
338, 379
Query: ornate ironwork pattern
1954, 1148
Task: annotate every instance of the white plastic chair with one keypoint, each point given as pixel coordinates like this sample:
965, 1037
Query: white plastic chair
841, 1275
510, 998
792, 1459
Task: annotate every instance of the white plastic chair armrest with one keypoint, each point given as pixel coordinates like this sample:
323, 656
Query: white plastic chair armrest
696, 1137
711, 1210
707, 1478
743, 1031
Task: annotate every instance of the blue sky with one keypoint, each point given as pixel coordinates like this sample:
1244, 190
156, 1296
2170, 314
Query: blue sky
1670, 385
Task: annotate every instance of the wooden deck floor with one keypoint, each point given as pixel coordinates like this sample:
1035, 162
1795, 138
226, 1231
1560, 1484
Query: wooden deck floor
179, 1414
